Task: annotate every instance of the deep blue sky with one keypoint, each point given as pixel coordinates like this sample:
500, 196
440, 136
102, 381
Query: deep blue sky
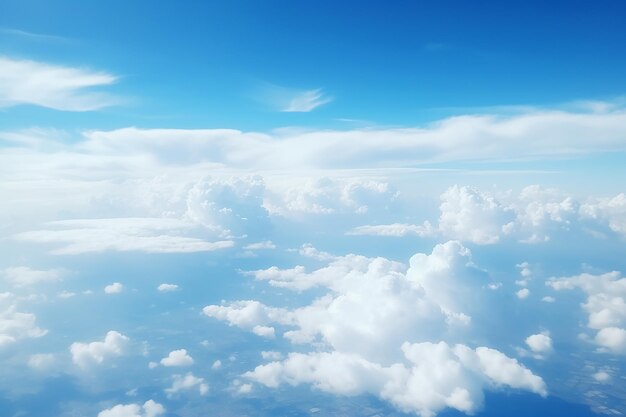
196, 64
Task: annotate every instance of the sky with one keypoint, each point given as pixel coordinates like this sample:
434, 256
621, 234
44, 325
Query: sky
240, 208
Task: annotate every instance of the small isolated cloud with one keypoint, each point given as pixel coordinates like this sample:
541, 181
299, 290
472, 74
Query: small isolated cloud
23, 276
523, 293
187, 382
602, 376
216, 365
167, 287
113, 345
266, 244
292, 100
16, 325
149, 409
540, 344
41, 361
114, 288
548, 299
177, 358
53, 86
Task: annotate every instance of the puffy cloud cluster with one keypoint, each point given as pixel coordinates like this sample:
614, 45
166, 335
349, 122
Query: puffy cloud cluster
435, 376
532, 216
330, 196
16, 325
149, 409
374, 327
85, 354
605, 306
229, 207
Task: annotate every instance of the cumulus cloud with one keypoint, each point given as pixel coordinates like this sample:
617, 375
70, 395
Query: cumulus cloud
178, 357
187, 382
540, 345
149, 409
371, 331
114, 344
23, 276
605, 306
53, 86
16, 325
523, 293
114, 288
151, 235
434, 376
167, 287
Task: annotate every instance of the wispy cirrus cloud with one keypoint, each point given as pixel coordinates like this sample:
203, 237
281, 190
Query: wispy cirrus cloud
53, 86
292, 100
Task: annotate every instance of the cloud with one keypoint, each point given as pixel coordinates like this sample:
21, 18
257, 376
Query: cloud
187, 382
113, 345
371, 327
167, 287
53, 86
523, 293
177, 358
41, 361
114, 288
540, 343
605, 306
149, 409
16, 325
23, 276
266, 244
150, 235
395, 229
292, 100
434, 376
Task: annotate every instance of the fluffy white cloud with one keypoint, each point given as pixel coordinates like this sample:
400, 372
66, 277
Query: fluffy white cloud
372, 307
114, 288
467, 214
187, 382
23, 276
53, 86
611, 211
540, 345
16, 325
167, 287
432, 377
151, 235
178, 357
149, 409
113, 345
266, 244
605, 306
523, 293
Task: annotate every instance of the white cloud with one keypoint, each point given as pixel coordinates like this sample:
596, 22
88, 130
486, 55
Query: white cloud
113, 345
149, 409
114, 288
66, 294
360, 327
611, 211
395, 229
52, 86
548, 299
266, 244
187, 382
523, 293
419, 384
121, 234
467, 214
605, 306
23, 276
602, 376
177, 358
264, 331
291, 100
216, 365
540, 344
41, 361
167, 287
15, 325
271, 355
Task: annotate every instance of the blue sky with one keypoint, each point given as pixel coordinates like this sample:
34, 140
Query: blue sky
312, 208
